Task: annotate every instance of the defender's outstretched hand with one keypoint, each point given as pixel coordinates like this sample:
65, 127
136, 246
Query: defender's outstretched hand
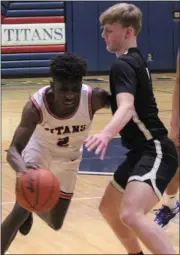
97, 142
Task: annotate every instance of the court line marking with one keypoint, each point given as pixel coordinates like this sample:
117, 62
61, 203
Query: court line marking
95, 173
77, 198
175, 220
165, 117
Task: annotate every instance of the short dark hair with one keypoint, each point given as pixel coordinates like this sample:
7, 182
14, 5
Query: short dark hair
68, 67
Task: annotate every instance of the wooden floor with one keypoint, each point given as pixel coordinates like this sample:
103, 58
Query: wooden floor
84, 231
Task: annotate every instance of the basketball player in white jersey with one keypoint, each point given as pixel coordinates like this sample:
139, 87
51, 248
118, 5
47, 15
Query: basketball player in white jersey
54, 123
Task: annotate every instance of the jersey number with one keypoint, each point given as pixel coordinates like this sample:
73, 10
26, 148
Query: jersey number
63, 142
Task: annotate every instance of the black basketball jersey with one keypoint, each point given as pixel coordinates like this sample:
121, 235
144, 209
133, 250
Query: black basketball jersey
130, 74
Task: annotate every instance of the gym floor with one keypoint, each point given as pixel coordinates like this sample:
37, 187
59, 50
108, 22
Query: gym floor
84, 230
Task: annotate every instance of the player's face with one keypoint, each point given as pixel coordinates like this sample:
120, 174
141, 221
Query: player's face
67, 93
115, 36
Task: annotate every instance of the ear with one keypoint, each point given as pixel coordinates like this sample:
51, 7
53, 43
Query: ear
129, 32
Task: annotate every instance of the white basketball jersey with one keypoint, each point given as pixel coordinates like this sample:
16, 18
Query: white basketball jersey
62, 135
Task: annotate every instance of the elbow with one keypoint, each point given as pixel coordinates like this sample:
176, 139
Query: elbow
10, 154
130, 110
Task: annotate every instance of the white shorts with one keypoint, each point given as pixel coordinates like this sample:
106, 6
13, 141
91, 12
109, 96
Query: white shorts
65, 170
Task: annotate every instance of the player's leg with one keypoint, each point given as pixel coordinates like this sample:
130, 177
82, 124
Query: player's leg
146, 185
171, 193
35, 156
138, 199
67, 176
171, 206
110, 207
10, 226
26, 226
55, 217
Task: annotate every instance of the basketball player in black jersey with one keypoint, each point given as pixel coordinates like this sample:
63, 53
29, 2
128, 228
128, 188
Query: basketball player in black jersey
151, 162
63, 98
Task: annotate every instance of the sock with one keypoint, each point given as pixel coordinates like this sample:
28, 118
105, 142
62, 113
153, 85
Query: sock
140, 253
170, 201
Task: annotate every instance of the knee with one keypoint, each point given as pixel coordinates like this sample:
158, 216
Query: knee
103, 209
109, 213
129, 217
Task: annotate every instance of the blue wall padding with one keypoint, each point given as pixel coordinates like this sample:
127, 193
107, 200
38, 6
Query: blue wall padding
17, 72
25, 63
36, 5
176, 6
5, 4
161, 34
176, 40
69, 26
3, 10
176, 23
34, 13
29, 56
85, 34
142, 41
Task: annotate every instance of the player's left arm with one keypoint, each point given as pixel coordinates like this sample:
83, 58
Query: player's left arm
123, 114
125, 82
100, 99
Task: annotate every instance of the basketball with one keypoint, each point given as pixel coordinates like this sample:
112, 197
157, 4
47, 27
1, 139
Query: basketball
37, 190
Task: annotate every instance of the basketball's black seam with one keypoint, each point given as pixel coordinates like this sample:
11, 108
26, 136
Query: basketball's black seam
50, 194
24, 194
33, 206
36, 190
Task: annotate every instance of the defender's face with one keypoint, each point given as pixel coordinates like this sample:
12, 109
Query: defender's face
115, 36
67, 94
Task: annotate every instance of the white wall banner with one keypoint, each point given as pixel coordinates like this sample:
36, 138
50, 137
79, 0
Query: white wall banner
33, 34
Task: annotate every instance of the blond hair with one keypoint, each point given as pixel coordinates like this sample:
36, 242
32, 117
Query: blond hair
126, 14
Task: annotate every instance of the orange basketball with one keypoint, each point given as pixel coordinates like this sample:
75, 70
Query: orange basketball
37, 190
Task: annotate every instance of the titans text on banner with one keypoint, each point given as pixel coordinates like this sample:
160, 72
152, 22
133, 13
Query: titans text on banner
33, 34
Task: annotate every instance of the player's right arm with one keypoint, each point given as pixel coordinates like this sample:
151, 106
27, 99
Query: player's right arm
29, 119
100, 99
175, 105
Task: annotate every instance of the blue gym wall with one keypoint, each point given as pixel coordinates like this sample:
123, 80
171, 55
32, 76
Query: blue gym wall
160, 36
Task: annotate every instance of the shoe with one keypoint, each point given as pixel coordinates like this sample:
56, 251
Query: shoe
165, 214
26, 226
